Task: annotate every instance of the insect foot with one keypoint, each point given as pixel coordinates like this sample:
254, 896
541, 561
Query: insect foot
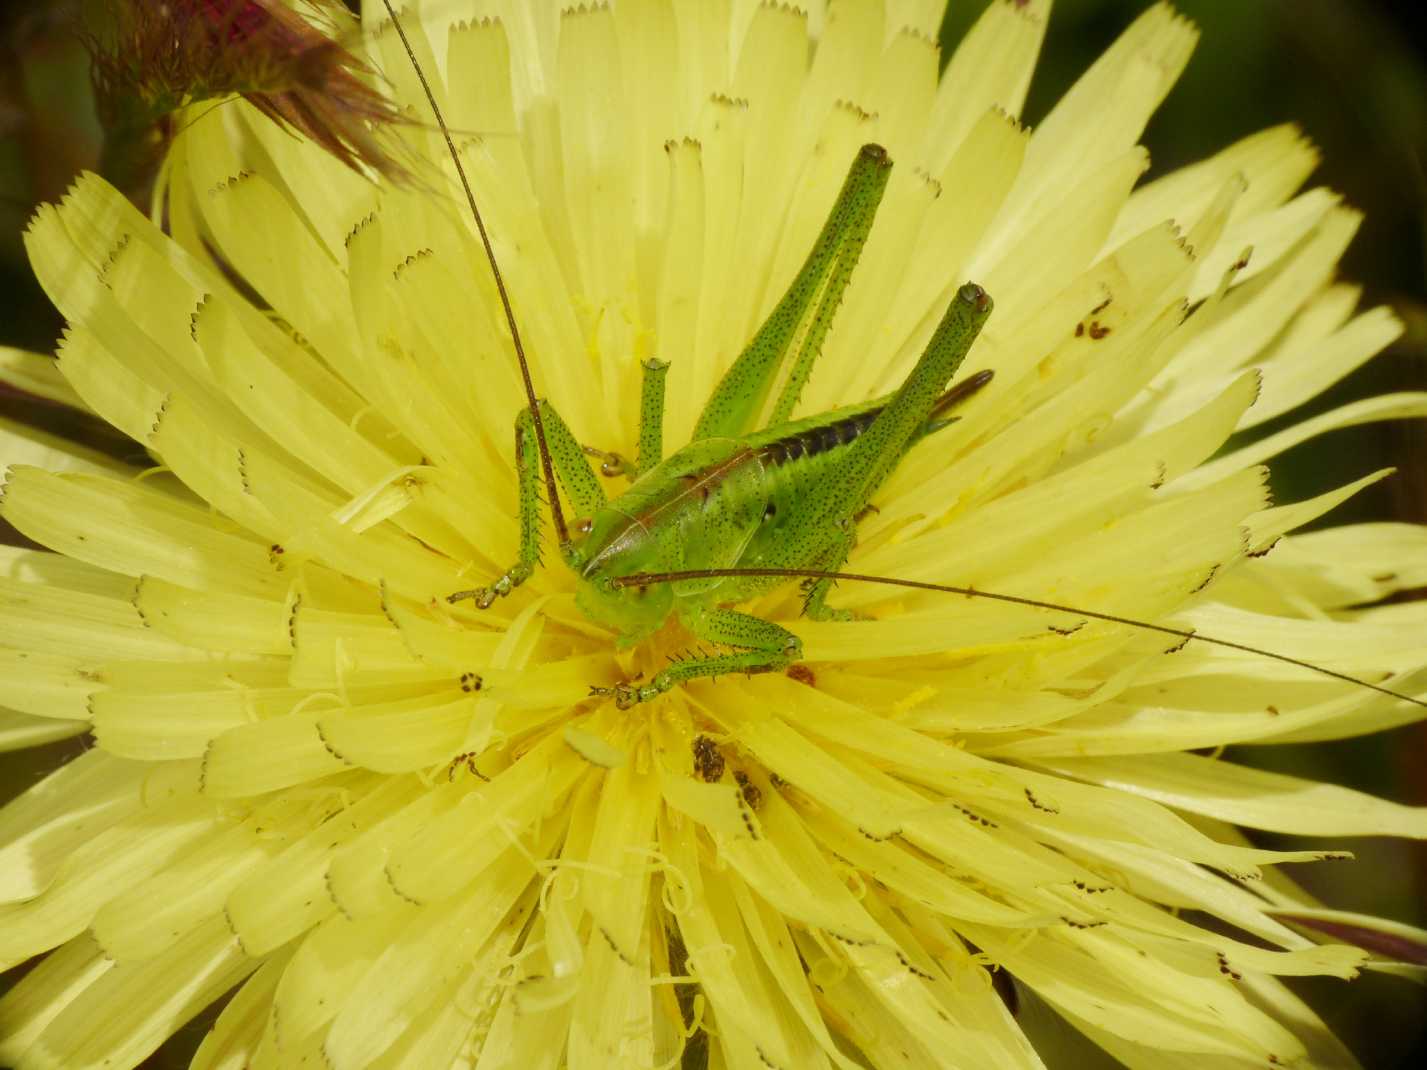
612, 464
485, 597
629, 695
823, 613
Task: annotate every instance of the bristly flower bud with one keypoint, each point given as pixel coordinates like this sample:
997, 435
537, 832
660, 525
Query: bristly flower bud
153, 58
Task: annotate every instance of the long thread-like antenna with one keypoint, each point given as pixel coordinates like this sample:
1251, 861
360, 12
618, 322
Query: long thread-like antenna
557, 513
647, 579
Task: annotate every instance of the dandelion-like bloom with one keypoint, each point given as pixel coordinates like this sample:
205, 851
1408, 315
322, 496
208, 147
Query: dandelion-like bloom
400, 829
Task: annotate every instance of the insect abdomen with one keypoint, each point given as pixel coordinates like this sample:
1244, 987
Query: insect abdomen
818, 440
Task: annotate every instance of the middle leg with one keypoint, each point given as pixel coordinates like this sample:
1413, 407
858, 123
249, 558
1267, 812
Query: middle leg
766, 647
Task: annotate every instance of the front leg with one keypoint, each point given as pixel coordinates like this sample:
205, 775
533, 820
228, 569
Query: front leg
527, 470
768, 647
651, 415
651, 428
575, 475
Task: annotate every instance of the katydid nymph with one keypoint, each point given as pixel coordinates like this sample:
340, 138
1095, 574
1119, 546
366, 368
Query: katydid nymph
743, 508
785, 496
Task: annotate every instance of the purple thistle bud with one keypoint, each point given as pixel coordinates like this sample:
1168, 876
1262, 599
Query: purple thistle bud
157, 57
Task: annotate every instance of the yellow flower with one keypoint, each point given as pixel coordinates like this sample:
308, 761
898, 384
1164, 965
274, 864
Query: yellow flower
403, 832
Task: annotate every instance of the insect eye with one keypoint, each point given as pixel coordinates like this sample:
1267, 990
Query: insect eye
584, 525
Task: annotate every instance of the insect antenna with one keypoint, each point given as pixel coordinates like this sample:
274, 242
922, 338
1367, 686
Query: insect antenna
562, 531
647, 579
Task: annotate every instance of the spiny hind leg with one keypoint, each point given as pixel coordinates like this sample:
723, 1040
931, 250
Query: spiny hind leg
575, 474
767, 647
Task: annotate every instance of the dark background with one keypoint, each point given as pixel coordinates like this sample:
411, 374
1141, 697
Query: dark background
1351, 72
